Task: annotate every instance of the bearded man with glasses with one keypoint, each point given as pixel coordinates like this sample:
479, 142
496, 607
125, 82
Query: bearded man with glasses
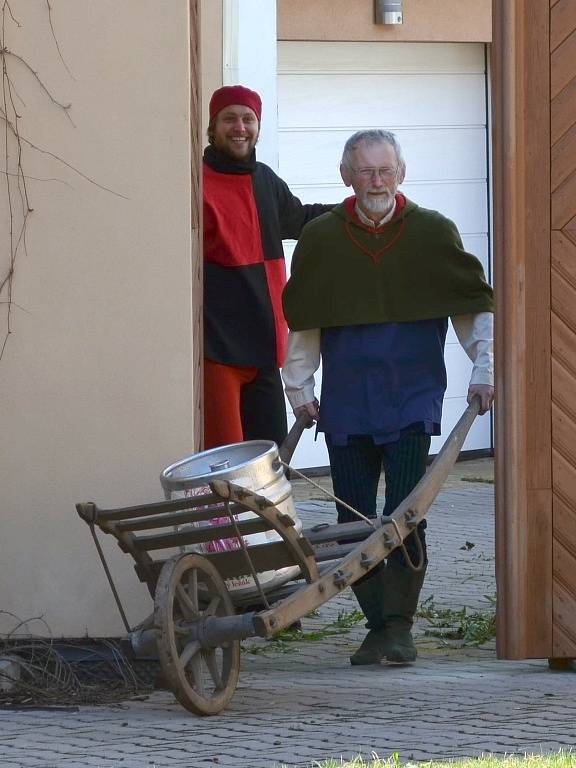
373, 284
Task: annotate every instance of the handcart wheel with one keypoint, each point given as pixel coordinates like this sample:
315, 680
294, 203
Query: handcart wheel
202, 679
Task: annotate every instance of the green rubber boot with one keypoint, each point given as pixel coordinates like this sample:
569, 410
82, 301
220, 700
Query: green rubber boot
368, 592
399, 604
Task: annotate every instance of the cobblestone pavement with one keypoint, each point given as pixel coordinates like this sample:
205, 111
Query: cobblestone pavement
310, 704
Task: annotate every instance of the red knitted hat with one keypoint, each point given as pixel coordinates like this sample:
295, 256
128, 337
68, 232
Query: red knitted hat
235, 94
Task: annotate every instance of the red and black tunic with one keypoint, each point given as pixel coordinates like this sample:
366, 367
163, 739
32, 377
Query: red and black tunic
248, 211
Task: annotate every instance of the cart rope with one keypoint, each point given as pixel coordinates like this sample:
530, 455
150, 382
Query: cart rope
370, 521
330, 495
409, 561
247, 556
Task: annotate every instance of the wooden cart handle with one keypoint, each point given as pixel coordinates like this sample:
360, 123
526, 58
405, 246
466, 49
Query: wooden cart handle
288, 447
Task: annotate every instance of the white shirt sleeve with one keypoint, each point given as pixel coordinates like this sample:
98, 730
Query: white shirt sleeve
302, 362
475, 333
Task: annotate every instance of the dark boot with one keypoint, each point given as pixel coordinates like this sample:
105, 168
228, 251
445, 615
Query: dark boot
399, 603
368, 592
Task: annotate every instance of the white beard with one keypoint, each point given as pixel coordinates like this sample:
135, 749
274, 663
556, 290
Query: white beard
381, 204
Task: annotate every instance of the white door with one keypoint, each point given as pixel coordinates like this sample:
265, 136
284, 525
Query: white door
433, 96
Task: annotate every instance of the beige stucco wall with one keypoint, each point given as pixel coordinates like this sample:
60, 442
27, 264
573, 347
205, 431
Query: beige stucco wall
95, 382
424, 20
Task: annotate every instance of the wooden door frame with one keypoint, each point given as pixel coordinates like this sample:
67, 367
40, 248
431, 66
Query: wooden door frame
196, 207
523, 449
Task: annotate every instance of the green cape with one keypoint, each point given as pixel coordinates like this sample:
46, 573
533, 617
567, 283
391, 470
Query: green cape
424, 273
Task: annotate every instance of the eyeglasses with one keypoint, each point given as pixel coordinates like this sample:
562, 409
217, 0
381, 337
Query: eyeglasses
371, 173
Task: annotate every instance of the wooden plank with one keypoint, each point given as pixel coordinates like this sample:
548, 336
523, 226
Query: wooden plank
199, 535
563, 298
355, 531
533, 297
565, 524
536, 565
273, 555
563, 111
564, 389
562, 22
564, 255
562, 64
564, 478
265, 557
570, 230
563, 430
563, 344
521, 89
89, 511
173, 520
564, 157
565, 619
563, 646
564, 568
563, 202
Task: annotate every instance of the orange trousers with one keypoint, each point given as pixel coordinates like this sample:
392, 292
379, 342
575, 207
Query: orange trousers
242, 403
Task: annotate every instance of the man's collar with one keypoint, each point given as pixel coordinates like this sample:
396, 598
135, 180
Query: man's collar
223, 163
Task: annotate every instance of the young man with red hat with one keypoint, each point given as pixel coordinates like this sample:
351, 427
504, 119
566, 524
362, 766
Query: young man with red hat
248, 211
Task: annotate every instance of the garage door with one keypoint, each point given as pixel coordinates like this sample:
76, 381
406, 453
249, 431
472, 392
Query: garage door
433, 96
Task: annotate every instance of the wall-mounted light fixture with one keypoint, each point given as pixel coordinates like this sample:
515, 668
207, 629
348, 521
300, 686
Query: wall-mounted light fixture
388, 11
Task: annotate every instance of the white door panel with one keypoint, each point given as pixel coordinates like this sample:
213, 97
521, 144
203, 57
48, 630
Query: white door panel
384, 58
374, 101
309, 157
465, 203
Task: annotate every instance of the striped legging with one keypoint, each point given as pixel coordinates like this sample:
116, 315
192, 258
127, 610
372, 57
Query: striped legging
356, 469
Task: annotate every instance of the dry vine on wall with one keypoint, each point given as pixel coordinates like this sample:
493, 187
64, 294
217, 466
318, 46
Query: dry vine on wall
15, 146
17, 198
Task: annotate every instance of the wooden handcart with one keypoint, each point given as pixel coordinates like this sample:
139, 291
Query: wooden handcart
195, 627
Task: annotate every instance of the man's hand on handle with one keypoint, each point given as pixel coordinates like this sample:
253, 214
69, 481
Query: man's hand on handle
486, 394
311, 409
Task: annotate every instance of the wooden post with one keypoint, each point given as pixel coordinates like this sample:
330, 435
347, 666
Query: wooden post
524, 530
